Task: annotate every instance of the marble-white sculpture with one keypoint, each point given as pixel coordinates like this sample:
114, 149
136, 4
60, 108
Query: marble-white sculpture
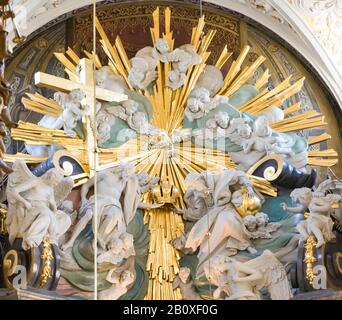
73, 111
211, 79
120, 283
259, 226
319, 205
143, 71
33, 205
228, 233
106, 79
243, 280
186, 285
161, 50
200, 103
118, 198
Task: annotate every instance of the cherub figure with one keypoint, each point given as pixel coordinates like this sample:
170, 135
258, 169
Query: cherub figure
161, 50
120, 283
200, 103
259, 227
33, 205
143, 71
243, 280
262, 140
73, 112
186, 285
319, 205
118, 198
106, 79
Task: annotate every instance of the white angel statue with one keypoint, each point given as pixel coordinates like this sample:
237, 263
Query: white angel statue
243, 280
319, 205
33, 205
143, 71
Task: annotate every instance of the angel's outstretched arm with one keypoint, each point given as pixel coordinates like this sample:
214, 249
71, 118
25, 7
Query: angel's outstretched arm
298, 209
253, 274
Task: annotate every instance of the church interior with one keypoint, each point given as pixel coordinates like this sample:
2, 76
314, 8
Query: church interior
170, 150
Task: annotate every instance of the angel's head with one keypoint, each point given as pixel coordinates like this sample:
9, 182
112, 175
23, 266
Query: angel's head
116, 245
262, 219
261, 127
126, 278
140, 122
162, 45
184, 274
301, 195
102, 74
53, 177
77, 95
222, 119
221, 263
211, 124
244, 130
130, 106
250, 223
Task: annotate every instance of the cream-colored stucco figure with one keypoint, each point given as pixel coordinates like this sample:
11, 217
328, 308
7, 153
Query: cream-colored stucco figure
120, 283
106, 79
33, 205
143, 71
118, 198
259, 226
211, 79
320, 206
221, 221
186, 285
243, 280
200, 103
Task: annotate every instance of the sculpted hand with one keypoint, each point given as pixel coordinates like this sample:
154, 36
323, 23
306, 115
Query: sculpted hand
283, 206
27, 205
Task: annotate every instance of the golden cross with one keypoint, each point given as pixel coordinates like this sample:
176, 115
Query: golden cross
87, 83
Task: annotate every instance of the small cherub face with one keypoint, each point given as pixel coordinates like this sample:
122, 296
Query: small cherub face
261, 219
141, 122
77, 95
131, 106
250, 223
116, 246
184, 274
162, 45
219, 263
126, 278
211, 124
222, 119
244, 130
237, 198
194, 105
262, 128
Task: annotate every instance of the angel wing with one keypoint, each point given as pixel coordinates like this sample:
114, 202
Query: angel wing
274, 275
62, 190
21, 173
328, 184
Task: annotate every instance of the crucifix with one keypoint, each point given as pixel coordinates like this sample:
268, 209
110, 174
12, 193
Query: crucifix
87, 83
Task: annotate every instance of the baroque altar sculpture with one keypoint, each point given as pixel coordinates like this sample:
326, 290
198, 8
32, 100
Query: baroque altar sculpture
243, 280
33, 205
169, 141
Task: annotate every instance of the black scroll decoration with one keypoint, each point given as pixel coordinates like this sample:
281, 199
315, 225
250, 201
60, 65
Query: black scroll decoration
282, 174
61, 160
